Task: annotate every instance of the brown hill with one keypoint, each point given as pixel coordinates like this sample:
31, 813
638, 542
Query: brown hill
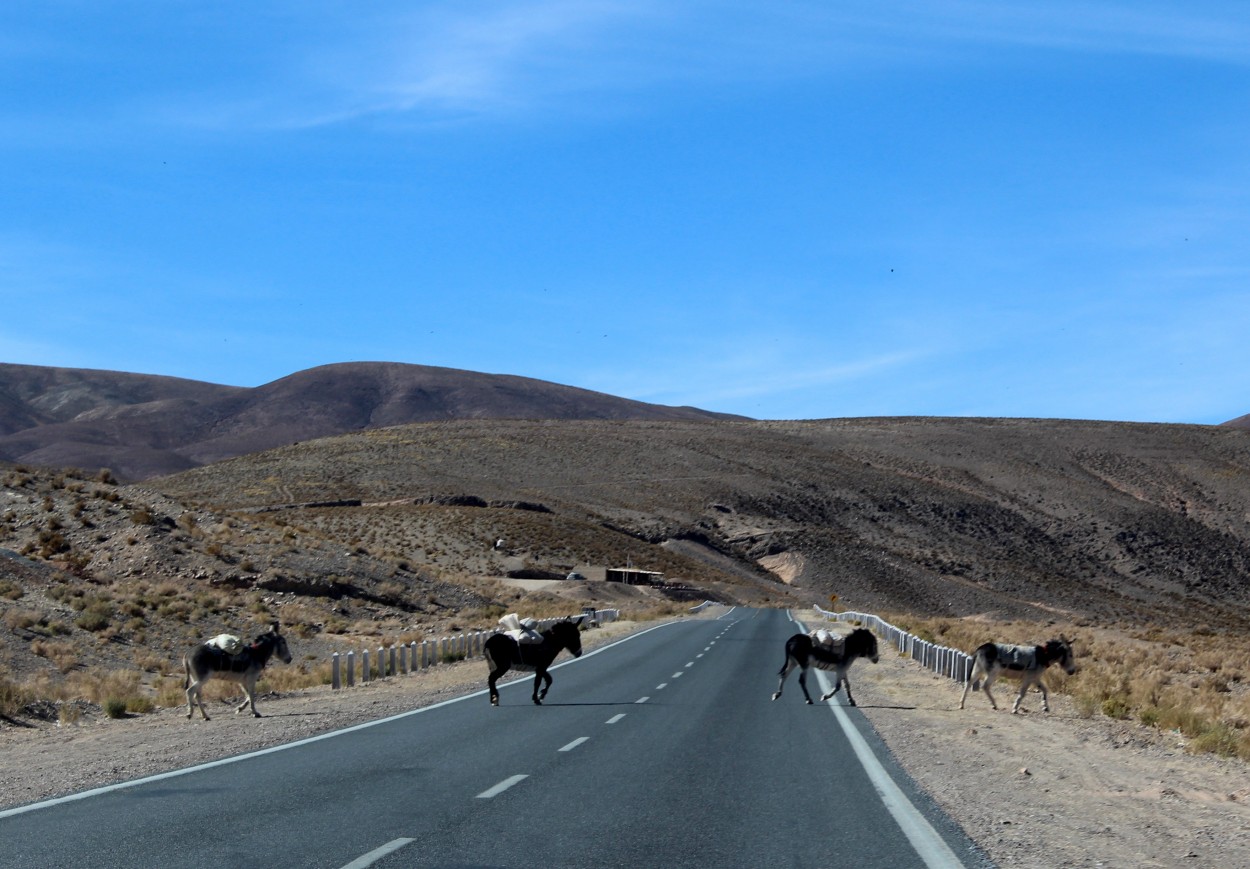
140, 426
945, 516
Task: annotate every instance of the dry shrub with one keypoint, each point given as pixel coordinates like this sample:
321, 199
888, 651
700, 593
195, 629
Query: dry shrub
68, 713
62, 655
169, 691
17, 620
151, 662
12, 697
96, 684
44, 686
292, 677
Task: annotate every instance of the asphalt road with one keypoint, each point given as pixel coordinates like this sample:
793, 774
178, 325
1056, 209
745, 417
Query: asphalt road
660, 750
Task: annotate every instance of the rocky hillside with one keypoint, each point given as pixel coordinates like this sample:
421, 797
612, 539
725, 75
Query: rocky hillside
950, 516
139, 426
399, 529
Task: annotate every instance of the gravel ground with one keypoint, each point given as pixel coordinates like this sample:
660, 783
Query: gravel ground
1033, 790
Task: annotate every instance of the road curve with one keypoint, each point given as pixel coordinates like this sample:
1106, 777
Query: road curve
662, 749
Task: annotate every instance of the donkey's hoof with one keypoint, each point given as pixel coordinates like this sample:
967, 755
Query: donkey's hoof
494, 701
808, 702
778, 694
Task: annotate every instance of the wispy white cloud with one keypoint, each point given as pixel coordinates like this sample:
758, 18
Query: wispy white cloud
486, 59
733, 379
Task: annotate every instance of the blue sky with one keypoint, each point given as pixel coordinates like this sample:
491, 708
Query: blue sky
779, 209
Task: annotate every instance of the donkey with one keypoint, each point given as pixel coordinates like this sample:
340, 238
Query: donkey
209, 661
803, 652
504, 653
990, 660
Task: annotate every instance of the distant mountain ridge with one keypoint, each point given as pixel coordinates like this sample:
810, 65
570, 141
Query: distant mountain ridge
141, 426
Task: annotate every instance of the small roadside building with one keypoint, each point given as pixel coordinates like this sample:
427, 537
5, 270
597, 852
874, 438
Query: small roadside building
632, 576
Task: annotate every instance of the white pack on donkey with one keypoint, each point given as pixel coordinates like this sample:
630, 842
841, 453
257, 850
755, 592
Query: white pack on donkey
226, 657
991, 660
825, 650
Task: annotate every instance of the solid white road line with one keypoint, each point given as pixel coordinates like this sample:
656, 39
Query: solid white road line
930, 846
501, 787
378, 853
576, 742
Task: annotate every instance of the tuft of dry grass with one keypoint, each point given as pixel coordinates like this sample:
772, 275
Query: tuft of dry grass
64, 656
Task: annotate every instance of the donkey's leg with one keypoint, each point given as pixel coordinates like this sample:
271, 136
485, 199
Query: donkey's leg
839, 676
542, 695
803, 684
195, 696
249, 697
973, 684
538, 680
1027, 681
838, 683
989, 680
496, 673
785, 671
494, 676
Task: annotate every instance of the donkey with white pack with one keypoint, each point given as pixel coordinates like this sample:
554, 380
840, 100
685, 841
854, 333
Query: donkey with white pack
226, 657
991, 660
827, 651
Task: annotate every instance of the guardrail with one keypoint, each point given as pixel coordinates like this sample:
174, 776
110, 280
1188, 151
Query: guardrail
953, 663
400, 659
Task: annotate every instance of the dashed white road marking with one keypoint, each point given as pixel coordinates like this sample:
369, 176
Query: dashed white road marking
615, 718
501, 787
659, 687
576, 742
675, 676
642, 700
691, 664
378, 853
